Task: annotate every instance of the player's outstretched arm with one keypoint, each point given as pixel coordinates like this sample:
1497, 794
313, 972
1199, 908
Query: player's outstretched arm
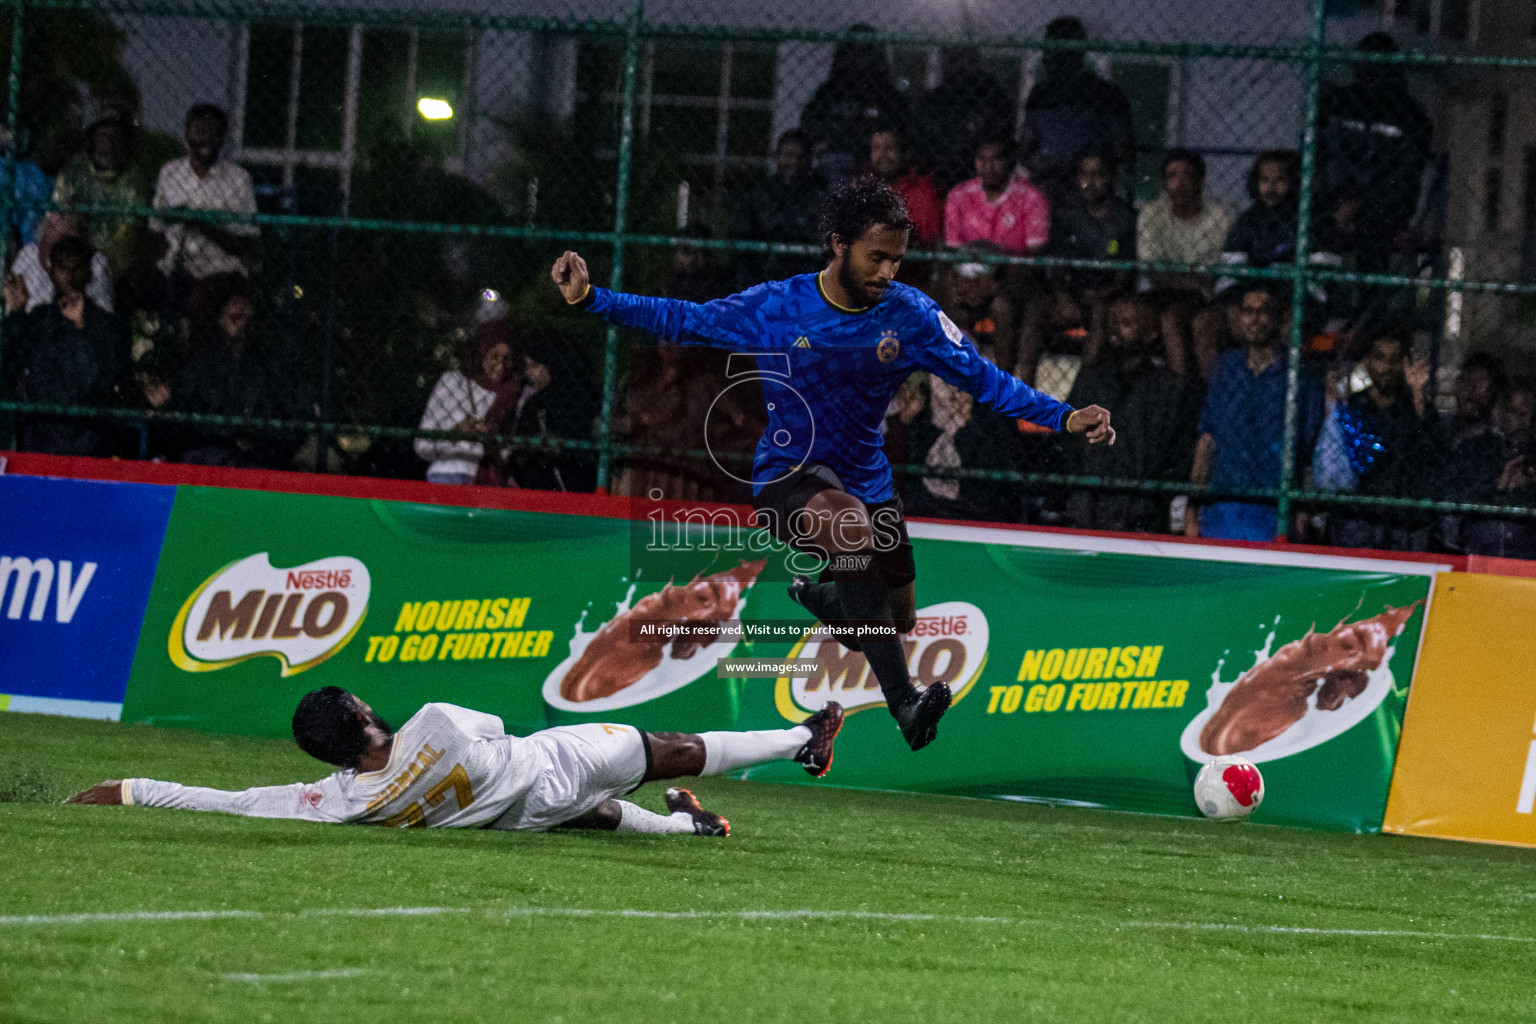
317, 801
726, 323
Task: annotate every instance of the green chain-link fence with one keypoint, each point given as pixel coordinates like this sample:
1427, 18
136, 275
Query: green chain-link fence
1271, 251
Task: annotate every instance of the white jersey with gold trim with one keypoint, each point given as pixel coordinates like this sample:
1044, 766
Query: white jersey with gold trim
449, 767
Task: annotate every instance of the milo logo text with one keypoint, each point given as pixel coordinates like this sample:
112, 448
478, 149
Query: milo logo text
300, 616
948, 644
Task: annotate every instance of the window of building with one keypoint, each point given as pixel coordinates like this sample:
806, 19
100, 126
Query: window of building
708, 106
315, 97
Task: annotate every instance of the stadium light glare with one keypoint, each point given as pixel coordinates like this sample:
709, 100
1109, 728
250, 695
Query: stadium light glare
434, 109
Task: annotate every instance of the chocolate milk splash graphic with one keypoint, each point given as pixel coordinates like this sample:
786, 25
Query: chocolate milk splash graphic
613, 661
1273, 695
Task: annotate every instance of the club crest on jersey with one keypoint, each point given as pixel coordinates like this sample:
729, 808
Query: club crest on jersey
888, 348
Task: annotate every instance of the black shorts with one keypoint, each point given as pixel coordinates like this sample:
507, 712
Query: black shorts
781, 500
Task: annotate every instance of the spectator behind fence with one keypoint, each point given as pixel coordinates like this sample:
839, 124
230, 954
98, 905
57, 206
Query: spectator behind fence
860, 92
1395, 445
1478, 450
107, 174
70, 352
950, 435
1071, 109
889, 159
951, 118
1511, 538
478, 401
1242, 425
1094, 224
1262, 235
1182, 226
1158, 408
32, 260
999, 208
974, 298
1374, 142
779, 208
202, 251
562, 404
230, 370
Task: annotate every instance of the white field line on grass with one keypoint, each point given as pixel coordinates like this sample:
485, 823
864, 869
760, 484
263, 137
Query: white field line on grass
154, 916
339, 972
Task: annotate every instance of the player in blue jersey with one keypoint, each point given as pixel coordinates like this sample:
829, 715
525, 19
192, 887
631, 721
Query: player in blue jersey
832, 350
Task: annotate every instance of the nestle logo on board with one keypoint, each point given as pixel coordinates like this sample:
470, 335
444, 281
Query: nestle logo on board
300, 616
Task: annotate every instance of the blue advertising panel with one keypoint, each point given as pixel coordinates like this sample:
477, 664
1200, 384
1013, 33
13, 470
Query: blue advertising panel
77, 559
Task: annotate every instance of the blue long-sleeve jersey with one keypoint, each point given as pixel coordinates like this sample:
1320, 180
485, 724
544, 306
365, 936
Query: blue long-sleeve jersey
829, 373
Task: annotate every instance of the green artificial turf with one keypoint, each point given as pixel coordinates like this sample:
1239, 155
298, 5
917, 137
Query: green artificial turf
1037, 914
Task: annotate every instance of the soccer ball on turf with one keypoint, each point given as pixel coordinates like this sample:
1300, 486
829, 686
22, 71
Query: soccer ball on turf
1229, 788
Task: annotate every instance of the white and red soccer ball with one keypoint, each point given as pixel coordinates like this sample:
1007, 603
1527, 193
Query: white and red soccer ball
1229, 788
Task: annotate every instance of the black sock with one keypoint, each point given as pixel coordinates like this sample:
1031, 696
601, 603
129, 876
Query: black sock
868, 603
820, 599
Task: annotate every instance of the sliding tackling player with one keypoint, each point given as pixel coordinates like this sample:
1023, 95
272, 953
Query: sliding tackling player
456, 768
833, 348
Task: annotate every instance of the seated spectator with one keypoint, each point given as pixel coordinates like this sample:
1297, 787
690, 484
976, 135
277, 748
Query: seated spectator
1513, 415
888, 158
1001, 208
1157, 408
1262, 235
1397, 450
681, 397
999, 205
479, 401
1071, 109
974, 298
1265, 233
951, 118
230, 371
1094, 224
780, 208
951, 435
32, 260
860, 92
1478, 451
1182, 226
200, 251
70, 352
1374, 141
695, 275
561, 404
107, 173
1242, 426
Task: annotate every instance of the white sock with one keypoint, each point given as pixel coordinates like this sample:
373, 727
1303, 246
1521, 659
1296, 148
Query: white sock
634, 818
724, 751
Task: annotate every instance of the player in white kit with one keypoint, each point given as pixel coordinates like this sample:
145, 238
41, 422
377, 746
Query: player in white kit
452, 767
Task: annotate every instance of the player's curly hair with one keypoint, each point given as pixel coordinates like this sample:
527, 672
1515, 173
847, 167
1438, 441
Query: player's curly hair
326, 726
854, 206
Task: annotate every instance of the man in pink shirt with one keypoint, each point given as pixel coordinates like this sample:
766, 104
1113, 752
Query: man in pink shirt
997, 205
1000, 209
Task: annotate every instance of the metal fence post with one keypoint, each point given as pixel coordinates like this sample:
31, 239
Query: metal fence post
1313, 71
620, 225
8, 177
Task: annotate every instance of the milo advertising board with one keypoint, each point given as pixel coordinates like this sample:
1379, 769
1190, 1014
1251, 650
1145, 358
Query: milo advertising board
1097, 677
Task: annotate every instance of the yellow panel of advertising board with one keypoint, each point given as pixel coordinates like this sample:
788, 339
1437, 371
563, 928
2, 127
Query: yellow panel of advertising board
1466, 765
